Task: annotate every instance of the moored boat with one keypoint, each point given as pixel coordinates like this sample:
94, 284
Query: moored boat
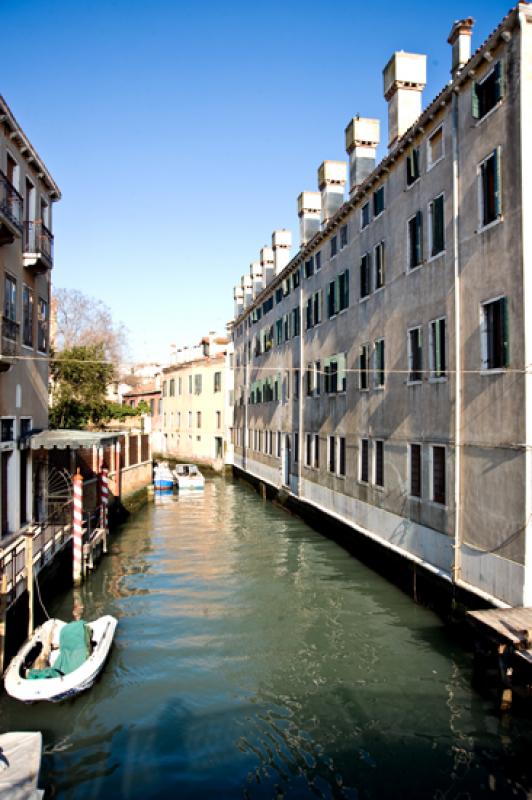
163, 479
60, 659
188, 476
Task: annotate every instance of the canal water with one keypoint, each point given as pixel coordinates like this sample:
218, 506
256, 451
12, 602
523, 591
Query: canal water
256, 659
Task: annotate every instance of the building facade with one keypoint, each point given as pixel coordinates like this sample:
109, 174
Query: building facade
197, 403
27, 193
383, 373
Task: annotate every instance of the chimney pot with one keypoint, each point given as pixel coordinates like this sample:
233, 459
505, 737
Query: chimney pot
361, 139
331, 182
309, 213
267, 264
460, 40
405, 77
281, 246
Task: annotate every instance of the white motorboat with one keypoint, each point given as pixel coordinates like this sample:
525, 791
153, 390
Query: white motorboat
188, 476
163, 479
60, 659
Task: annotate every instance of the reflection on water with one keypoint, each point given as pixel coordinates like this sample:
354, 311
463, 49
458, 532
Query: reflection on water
254, 659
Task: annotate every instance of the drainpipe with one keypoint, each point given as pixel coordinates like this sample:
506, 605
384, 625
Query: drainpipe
457, 565
301, 383
526, 208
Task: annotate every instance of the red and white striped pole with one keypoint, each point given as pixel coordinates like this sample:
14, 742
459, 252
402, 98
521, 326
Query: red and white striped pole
104, 496
77, 529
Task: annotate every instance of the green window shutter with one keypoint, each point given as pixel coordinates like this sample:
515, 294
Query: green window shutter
500, 79
419, 237
346, 288
506, 332
329, 300
497, 182
437, 350
475, 105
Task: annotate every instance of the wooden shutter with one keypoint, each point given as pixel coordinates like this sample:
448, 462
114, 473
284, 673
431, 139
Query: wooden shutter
497, 182
475, 105
505, 332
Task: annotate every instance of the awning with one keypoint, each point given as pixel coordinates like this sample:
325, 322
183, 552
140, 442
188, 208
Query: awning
48, 440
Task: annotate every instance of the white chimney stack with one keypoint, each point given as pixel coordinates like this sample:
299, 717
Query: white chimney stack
460, 39
405, 77
309, 213
281, 245
247, 288
255, 271
361, 139
267, 264
331, 182
238, 294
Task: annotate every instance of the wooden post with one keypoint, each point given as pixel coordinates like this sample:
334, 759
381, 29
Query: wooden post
28, 554
3, 611
77, 529
104, 497
118, 475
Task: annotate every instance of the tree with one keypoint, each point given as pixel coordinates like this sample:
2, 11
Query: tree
79, 376
83, 321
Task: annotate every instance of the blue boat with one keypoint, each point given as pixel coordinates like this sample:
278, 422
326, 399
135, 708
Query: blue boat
163, 480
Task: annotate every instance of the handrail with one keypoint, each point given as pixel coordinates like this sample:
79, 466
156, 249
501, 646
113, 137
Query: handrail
11, 202
38, 238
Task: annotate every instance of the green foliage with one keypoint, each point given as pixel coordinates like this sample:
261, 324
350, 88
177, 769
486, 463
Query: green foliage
143, 407
79, 377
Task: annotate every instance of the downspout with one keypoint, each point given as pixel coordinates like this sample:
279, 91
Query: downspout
525, 126
457, 564
301, 386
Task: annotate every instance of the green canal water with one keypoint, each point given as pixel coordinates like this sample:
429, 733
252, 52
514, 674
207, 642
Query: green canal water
256, 659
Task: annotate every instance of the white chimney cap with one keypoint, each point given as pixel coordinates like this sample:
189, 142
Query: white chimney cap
332, 172
408, 70
308, 202
255, 269
266, 255
238, 292
282, 238
362, 131
247, 282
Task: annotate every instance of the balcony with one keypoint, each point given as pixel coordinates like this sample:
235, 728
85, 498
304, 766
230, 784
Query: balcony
8, 343
10, 212
37, 253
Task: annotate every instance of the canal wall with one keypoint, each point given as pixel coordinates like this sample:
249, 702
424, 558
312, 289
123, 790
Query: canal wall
425, 584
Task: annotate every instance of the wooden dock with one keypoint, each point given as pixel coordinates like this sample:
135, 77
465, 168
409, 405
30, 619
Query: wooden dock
507, 634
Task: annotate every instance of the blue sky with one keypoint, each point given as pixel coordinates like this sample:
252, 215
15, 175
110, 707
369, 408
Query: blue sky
181, 134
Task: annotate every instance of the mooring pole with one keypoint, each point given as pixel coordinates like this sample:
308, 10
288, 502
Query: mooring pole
104, 497
77, 528
28, 557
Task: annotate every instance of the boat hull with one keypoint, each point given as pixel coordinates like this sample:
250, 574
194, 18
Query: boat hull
56, 689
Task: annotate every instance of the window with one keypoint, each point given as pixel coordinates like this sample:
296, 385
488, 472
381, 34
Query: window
437, 349
364, 216
296, 447
313, 310
379, 265
334, 246
217, 381
172, 387
338, 294
379, 363
495, 334
197, 384
490, 189
218, 419
363, 368
279, 294
198, 419
7, 430
318, 261
177, 419
364, 461
415, 241
308, 450
165, 388
436, 226
486, 93
412, 166
435, 148
296, 384
180, 386
365, 275
190, 419
415, 470
279, 441
332, 454
295, 279
308, 377
334, 368
316, 450
341, 456
438, 475
317, 378
309, 267
343, 236
190, 383
27, 316
9, 330
415, 355
42, 325
379, 462
295, 321
378, 201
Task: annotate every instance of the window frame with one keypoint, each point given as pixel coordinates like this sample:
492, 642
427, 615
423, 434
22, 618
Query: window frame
363, 214
411, 496
431, 164
414, 381
376, 442
361, 479
445, 475
433, 377
430, 216
483, 226
409, 266
505, 345
379, 247
379, 386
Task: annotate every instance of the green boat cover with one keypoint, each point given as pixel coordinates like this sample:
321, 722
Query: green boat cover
74, 649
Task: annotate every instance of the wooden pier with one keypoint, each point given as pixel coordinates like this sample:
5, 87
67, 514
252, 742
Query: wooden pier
505, 633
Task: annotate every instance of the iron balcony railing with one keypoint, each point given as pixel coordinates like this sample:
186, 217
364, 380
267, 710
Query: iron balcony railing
38, 239
8, 342
10, 202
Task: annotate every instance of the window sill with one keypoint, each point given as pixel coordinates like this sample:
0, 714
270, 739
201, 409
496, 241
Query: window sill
362, 483
409, 270
414, 498
378, 289
435, 257
435, 163
441, 379
493, 370
490, 225
27, 347
379, 215
377, 488
414, 383
379, 388
365, 298
414, 183
364, 390
442, 506
488, 114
